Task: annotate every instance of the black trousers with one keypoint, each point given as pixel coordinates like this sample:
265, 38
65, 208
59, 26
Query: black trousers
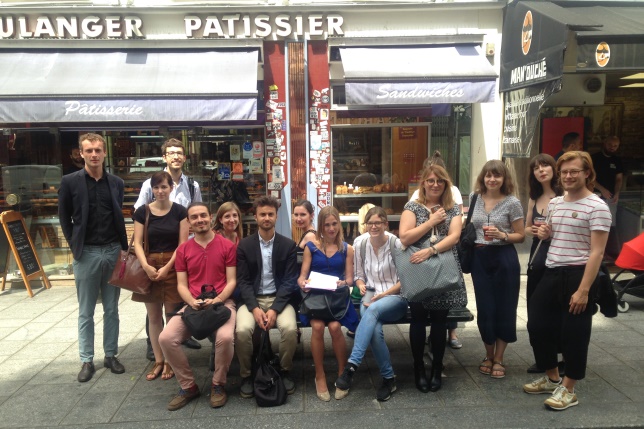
418, 333
553, 328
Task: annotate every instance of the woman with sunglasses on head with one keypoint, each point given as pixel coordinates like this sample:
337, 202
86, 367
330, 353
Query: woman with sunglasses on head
167, 229
228, 222
329, 254
498, 218
543, 184
377, 279
435, 217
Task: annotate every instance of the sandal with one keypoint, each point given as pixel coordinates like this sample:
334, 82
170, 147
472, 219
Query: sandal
168, 373
498, 367
484, 368
153, 374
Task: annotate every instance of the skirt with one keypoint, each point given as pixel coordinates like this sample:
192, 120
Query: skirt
164, 290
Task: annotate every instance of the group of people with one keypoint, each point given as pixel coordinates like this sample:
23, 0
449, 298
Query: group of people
262, 278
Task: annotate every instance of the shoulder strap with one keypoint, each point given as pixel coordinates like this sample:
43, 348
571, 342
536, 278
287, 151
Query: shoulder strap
363, 251
146, 244
471, 209
392, 247
191, 187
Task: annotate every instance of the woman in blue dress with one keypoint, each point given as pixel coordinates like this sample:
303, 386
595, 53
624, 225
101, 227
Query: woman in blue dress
329, 254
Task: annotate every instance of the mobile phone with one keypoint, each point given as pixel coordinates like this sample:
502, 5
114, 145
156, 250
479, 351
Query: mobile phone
435, 208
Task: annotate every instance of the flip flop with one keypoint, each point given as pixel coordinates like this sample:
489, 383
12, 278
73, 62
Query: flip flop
495, 368
154, 374
486, 369
168, 373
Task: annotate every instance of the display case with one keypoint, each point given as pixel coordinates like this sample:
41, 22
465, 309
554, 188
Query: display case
375, 165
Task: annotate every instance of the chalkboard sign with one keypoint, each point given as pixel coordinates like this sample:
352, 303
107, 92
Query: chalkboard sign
19, 241
25, 252
4, 254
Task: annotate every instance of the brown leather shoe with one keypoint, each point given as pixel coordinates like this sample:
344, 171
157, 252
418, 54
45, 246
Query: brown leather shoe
218, 397
183, 397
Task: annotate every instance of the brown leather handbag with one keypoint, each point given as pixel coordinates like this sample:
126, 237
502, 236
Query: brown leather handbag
128, 273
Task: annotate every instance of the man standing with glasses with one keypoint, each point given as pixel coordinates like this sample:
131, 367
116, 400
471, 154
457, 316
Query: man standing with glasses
562, 306
185, 191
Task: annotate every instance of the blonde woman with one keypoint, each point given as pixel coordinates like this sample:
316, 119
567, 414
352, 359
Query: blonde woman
228, 222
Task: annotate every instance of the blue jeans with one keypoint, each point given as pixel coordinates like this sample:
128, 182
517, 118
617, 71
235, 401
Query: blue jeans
387, 309
91, 272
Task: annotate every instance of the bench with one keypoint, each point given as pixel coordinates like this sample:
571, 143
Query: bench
454, 315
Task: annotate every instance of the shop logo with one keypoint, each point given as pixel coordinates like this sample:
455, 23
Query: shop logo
526, 33
602, 54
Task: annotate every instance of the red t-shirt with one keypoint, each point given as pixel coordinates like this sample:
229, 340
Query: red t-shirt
206, 266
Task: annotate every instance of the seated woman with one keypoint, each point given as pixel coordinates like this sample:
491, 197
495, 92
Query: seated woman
228, 222
375, 272
329, 254
167, 229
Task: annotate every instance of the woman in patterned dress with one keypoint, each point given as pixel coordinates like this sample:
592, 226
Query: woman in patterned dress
433, 216
495, 266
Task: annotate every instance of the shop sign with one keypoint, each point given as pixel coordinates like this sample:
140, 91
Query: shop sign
410, 93
109, 110
197, 27
521, 116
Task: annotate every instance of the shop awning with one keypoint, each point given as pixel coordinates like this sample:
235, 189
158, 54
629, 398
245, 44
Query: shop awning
128, 86
377, 76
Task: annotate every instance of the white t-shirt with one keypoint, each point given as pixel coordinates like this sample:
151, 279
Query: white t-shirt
572, 223
456, 194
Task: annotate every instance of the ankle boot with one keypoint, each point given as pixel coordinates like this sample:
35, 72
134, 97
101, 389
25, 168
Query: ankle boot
421, 378
435, 381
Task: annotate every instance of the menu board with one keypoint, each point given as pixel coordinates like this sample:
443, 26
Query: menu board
24, 251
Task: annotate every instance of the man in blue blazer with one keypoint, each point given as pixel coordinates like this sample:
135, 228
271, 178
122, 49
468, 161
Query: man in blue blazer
89, 207
267, 279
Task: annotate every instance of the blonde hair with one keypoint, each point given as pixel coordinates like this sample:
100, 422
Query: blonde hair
447, 199
223, 209
324, 213
587, 162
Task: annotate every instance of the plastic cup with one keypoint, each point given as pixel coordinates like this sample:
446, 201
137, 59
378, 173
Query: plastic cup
486, 227
369, 293
538, 221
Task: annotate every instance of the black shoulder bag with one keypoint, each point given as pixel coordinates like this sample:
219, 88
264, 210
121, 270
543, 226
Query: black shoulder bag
203, 322
465, 246
268, 385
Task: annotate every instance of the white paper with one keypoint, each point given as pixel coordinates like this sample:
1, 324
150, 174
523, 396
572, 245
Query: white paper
322, 281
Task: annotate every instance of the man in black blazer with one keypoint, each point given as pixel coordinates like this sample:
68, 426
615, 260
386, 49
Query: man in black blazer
267, 279
89, 207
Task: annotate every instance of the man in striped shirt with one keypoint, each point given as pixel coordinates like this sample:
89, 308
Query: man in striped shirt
563, 303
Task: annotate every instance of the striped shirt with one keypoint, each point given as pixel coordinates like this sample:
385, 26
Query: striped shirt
572, 223
379, 270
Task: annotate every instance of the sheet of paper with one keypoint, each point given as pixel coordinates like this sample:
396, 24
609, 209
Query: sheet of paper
322, 281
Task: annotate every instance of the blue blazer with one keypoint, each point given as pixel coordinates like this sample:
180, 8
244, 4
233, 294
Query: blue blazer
73, 209
285, 272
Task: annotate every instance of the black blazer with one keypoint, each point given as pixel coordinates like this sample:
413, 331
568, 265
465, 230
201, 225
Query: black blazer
249, 271
73, 209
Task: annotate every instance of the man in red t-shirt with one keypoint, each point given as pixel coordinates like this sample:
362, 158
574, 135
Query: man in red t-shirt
207, 259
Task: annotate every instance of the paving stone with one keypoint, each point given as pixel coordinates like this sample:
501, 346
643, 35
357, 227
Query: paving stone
94, 408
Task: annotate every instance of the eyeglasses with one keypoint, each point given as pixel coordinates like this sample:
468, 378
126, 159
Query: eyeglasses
572, 173
432, 182
173, 154
376, 224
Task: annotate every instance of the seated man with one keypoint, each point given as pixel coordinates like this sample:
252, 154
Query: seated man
208, 259
267, 279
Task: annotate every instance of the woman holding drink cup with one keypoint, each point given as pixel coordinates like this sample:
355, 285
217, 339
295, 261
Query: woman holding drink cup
498, 218
543, 184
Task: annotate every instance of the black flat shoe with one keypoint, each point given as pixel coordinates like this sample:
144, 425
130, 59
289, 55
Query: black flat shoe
87, 372
114, 365
421, 378
191, 343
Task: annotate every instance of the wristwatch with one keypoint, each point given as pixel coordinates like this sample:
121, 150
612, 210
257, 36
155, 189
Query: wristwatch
506, 237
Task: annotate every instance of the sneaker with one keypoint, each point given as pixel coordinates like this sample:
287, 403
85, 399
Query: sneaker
246, 389
183, 397
541, 385
386, 389
346, 378
455, 343
218, 396
561, 399
289, 384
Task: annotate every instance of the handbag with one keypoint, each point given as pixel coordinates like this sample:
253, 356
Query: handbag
434, 276
465, 246
203, 322
267, 384
128, 273
606, 296
326, 305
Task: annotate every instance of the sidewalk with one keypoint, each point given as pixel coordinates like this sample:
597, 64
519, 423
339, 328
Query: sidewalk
39, 364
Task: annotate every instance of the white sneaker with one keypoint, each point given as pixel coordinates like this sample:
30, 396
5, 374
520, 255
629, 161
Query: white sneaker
561, 399
541, 385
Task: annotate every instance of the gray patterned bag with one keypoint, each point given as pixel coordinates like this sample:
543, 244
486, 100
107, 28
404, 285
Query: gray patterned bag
436, 275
